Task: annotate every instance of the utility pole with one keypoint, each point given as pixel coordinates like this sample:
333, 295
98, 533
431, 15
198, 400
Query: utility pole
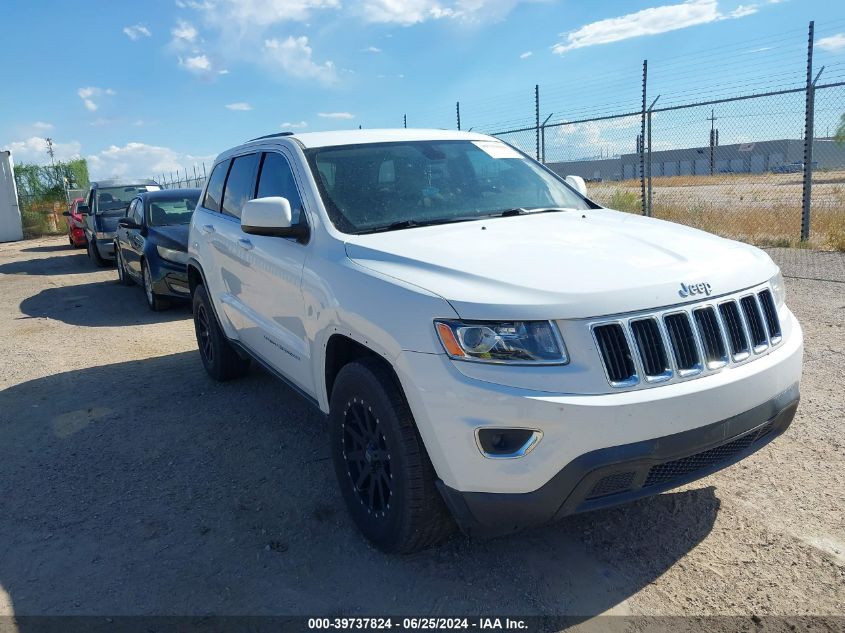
714, 138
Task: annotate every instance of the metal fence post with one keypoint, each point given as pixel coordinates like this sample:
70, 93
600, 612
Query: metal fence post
806, 196
537, 117
458, 112
643, 199
405, 120
650, 209
543, 139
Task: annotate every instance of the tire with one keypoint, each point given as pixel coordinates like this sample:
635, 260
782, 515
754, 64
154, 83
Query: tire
384, 472
220, 359
94, 254
70, 239
123, 278
154, 301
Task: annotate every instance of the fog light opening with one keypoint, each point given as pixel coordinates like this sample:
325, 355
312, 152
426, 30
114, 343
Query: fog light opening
507, 443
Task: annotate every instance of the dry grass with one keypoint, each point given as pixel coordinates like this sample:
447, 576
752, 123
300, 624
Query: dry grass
40, 218
762, 209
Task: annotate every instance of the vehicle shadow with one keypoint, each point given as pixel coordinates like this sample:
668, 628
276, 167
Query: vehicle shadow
69, 263
52, 248
146, 488
99, 304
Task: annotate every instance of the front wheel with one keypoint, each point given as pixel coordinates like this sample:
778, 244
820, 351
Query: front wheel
154, 302
122, 276
382, 467
219, 358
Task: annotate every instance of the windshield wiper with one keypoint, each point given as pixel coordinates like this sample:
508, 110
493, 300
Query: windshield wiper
412, 224
528, 211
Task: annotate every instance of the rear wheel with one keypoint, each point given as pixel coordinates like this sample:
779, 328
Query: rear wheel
154, 301
220, 359
382, 467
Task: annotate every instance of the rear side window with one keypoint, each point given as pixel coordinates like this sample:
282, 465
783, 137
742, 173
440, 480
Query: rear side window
214, 191
240, 184
276, 179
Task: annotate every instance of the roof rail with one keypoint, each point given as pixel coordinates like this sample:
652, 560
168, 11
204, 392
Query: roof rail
258, 138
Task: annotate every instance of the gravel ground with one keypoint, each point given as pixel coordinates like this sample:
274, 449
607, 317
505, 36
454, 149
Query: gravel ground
130, 483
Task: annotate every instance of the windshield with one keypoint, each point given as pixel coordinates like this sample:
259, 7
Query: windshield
170, 211
114, 200
375, 186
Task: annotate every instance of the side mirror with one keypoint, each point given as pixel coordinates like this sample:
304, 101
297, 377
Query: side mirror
578, 184
66, 213
271, 216
83, 209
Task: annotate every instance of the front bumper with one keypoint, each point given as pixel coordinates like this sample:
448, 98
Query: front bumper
448, 406
170, 279
619, 474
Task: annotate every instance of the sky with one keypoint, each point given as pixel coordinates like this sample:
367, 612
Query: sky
142, 89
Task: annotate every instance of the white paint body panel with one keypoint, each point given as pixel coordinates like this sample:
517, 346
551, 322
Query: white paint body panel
285, 300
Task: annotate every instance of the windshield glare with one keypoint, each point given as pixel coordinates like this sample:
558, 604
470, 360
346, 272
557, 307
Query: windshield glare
117, 198
170, 211
367, 187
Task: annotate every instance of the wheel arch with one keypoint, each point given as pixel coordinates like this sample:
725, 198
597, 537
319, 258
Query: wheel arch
342, 349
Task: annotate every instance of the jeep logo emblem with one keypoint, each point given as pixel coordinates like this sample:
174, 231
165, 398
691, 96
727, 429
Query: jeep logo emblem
688, 290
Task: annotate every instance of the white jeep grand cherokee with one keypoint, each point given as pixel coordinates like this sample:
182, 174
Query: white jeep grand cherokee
491, 347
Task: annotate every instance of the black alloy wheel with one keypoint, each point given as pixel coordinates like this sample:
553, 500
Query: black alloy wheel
367, 457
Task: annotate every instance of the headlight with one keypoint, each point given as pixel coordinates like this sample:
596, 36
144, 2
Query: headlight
172, 255
514, 342
778, 289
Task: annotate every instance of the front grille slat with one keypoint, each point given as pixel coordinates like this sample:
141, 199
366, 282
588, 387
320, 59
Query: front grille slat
650, 346
707, 323
771, 315
755, 321
683, 341
615, 353
736, 332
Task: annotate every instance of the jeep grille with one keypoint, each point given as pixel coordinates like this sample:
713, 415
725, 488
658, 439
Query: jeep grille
688, 341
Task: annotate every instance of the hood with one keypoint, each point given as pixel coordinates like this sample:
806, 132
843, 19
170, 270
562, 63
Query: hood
572, 264
175, 236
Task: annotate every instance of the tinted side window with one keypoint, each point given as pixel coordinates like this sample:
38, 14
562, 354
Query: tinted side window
214, 192
276, 179
240, 184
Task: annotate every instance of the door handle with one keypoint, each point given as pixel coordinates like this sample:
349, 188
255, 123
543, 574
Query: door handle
245, 244
207, 229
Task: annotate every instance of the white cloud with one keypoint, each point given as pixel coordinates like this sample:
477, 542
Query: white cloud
136, 31
86, 95
295, 57
223, 71
372, 49
243, 14
652, 21
833, 43
140, 160
34, 150
407, 12
240, 106
41, 125
526, 55
336, 115
744, 9
184, 33
197, 64
294, 126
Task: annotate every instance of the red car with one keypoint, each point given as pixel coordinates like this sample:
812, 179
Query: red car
75, 234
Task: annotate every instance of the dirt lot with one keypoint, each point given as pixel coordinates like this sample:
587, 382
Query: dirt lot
130, 483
